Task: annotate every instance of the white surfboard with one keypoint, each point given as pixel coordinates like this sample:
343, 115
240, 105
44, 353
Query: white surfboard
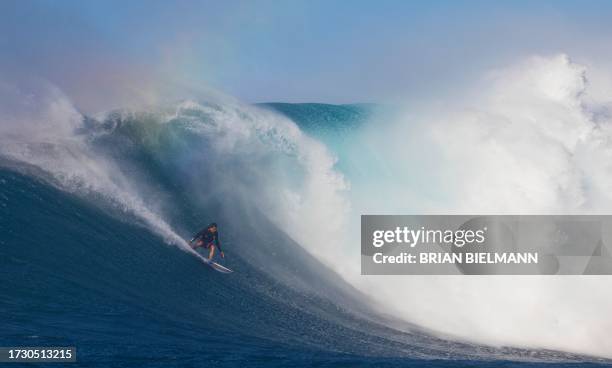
217, 267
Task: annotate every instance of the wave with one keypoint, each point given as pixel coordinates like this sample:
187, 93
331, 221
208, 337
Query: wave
530, 138
106, 201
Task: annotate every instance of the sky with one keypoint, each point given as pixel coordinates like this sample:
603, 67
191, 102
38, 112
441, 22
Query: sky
101, 53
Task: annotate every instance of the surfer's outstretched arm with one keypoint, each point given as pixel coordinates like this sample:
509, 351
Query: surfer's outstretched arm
218, 244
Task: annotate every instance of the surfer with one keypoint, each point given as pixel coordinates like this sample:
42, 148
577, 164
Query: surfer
209, 239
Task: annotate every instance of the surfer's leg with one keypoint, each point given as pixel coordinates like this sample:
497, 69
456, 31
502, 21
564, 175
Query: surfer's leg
211, 253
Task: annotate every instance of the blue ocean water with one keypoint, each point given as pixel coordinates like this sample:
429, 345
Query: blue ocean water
76, 269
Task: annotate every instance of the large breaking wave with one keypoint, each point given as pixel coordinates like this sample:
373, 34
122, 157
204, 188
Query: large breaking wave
98, 196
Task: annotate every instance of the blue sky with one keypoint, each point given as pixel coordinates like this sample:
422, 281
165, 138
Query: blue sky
326, 51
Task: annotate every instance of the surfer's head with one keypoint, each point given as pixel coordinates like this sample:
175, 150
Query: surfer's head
213, 227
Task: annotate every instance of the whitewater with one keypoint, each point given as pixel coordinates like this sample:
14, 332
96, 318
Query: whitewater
95, 209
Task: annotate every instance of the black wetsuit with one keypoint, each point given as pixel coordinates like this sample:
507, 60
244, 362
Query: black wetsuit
208, 238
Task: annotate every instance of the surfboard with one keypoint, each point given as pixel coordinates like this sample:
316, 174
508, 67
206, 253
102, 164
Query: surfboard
217, 267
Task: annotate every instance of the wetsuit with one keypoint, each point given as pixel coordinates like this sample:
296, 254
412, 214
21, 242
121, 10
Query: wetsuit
208, 238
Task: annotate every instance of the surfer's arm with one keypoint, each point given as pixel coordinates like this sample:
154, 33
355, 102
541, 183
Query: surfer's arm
218, 244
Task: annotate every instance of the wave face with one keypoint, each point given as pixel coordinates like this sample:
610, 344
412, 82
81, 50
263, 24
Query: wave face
93, 213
